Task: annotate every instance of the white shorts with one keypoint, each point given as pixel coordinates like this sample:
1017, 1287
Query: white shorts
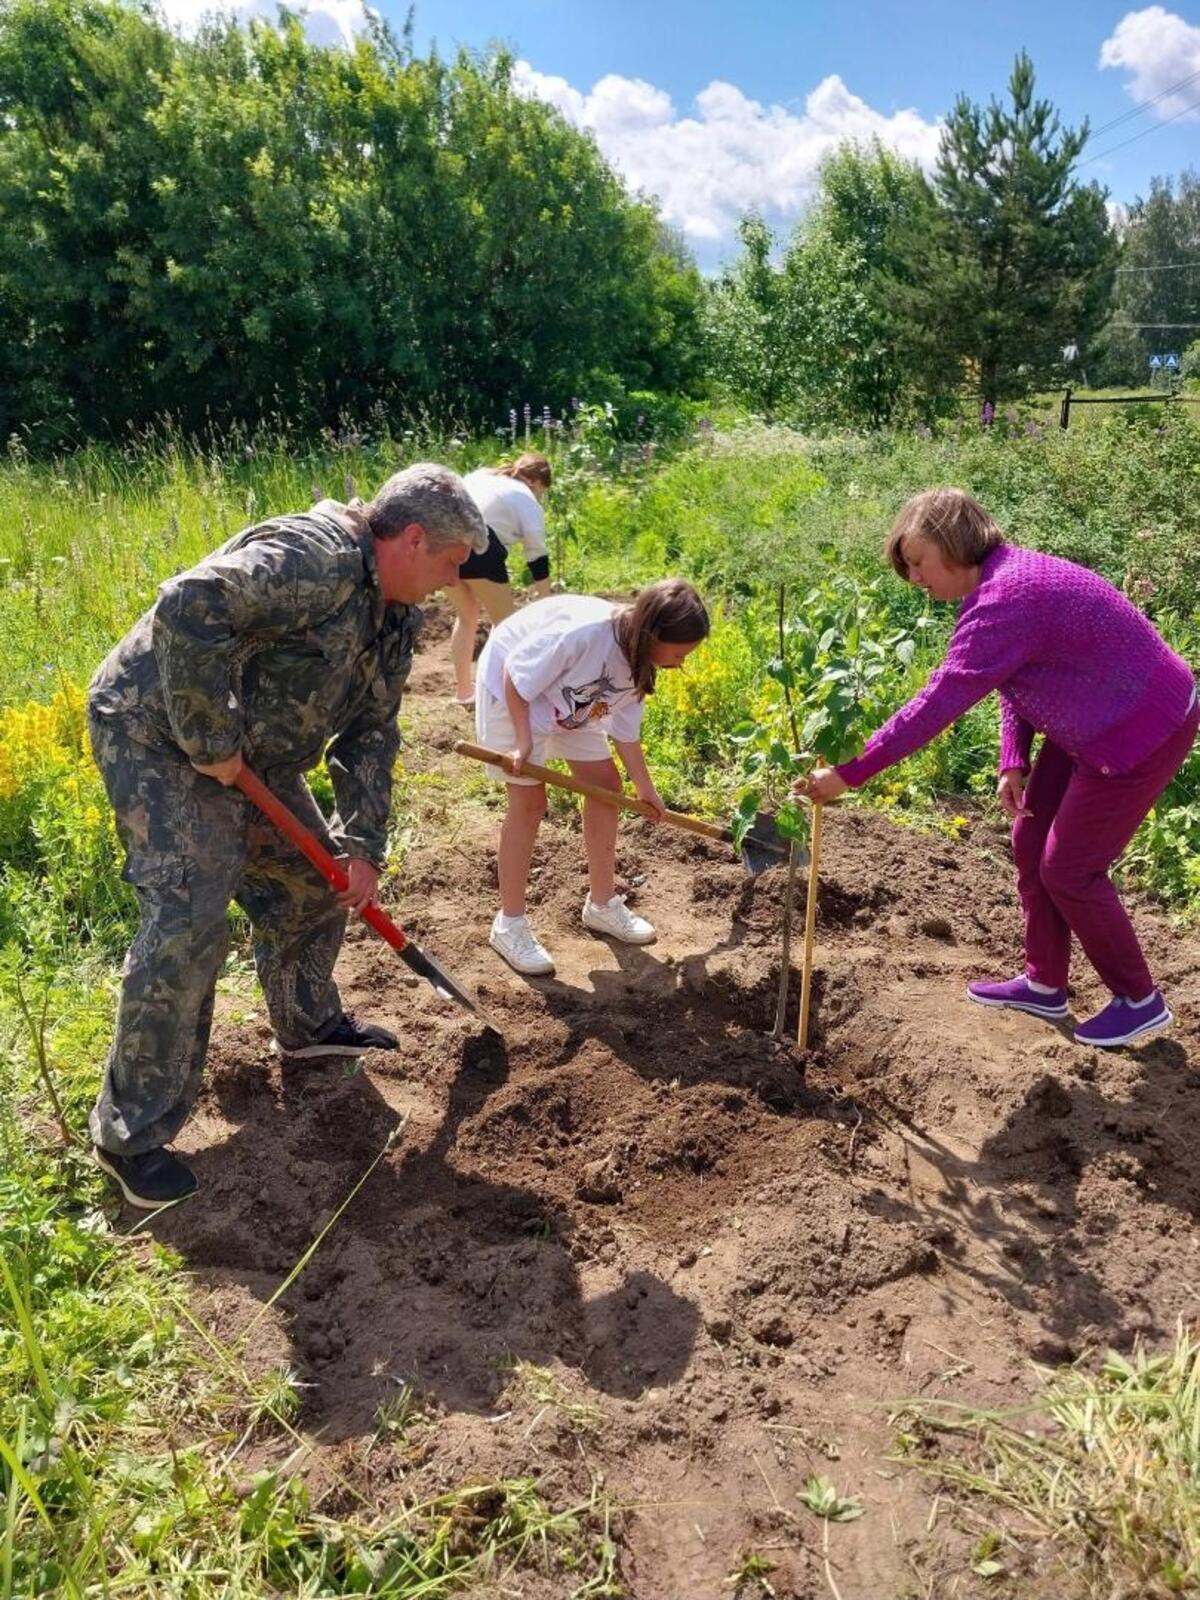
494, 728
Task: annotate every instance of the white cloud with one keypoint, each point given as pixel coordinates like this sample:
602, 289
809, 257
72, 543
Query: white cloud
326, 22
1159, 49
734, 155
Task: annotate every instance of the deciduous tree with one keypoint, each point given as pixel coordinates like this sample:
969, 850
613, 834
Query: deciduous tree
246, 225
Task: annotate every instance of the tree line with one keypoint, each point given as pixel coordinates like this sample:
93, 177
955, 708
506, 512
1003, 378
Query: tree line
997, 275
246, 227
901, 293
1156, 300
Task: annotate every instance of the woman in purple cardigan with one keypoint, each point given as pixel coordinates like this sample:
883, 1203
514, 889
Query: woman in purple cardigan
1072, 659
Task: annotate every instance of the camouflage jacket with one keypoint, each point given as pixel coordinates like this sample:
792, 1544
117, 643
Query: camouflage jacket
279, 644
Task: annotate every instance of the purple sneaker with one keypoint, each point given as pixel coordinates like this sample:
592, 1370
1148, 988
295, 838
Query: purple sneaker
1121, 1022
1016, 994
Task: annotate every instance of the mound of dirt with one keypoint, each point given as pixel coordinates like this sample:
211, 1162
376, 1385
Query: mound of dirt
731, 1257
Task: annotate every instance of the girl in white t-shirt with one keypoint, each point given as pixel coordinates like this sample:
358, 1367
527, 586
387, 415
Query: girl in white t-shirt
561, 678
510, 501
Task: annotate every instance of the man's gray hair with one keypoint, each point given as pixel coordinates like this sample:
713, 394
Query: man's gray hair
436, 498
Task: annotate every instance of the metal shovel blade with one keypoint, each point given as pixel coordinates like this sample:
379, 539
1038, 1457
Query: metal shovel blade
334, 874
765, 847
442, 983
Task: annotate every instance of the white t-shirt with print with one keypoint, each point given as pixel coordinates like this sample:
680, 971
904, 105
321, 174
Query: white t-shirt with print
563, 657
511, 509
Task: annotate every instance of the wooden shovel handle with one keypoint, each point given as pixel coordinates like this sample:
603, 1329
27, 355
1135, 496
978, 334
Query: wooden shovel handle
593, 791
810, 922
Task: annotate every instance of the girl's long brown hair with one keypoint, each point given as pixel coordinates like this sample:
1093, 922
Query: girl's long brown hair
530, 468
669, 610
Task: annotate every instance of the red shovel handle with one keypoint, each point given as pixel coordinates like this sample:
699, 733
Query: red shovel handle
292, 828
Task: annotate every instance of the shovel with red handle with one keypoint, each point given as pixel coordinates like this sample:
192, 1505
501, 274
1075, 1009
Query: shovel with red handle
411, 954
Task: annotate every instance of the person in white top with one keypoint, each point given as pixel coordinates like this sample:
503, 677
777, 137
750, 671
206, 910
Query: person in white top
561, 678
510, 501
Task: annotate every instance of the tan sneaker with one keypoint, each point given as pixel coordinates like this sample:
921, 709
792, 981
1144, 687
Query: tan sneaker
519, 946
616, 920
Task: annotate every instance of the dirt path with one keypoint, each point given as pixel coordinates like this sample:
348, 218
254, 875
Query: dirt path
732, 1267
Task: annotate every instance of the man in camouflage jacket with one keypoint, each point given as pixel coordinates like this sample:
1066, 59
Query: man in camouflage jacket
291, 642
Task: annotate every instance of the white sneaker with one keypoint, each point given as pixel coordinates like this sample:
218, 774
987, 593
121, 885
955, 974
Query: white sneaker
519, 946
617, 921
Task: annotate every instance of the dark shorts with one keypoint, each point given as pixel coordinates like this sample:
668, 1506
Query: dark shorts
492, 564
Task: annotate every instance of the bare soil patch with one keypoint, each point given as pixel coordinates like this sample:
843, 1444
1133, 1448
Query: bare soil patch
734, 1260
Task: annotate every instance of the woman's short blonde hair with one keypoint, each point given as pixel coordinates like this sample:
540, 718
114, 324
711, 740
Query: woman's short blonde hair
952, 520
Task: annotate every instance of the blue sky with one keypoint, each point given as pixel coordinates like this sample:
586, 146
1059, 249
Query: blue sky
714, 107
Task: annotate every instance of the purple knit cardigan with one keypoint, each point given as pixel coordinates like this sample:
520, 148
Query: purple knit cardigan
1071, 657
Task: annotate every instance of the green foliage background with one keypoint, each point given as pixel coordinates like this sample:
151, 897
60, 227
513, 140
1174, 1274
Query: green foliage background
248, 226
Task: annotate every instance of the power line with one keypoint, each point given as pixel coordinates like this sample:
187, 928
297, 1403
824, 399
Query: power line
1100, 155
1136, 111
1167, 266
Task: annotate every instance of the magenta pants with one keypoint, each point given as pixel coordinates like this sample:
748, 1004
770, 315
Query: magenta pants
1081, 821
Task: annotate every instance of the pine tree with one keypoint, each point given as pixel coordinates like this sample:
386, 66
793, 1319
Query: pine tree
1014, 258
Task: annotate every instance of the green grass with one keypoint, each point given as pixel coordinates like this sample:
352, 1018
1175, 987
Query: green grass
544, 1389
751, 1574
1097, 1483
124, 1420
86, 540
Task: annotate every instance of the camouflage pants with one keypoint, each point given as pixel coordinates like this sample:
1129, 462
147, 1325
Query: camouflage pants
192, 847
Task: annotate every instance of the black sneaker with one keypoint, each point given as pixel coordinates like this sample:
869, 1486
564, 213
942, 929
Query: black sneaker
153, 1179
349, 1038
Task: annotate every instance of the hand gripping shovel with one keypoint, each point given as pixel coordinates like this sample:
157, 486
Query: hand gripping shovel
761, 848
411, 954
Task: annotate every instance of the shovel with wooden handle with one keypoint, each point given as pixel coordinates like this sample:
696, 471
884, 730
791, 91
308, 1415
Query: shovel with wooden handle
761, 848
309, 846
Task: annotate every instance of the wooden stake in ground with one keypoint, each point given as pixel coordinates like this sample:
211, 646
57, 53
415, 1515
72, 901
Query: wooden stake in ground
810, 922
786, 953
793, 855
